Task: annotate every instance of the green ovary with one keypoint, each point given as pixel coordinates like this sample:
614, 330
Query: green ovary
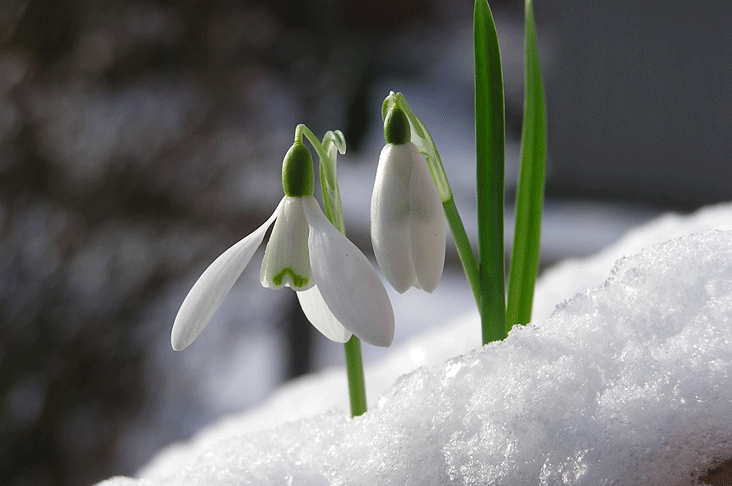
297, 280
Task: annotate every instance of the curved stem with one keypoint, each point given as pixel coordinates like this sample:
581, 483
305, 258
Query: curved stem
464, 250
301, 130
333, 141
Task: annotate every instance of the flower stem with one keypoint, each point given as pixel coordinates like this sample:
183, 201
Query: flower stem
333, 142
462, 244
356, 381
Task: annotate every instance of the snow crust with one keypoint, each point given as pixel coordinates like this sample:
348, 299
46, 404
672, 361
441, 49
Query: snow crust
625, 383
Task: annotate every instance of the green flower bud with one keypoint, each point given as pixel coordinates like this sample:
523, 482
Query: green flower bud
396, 127
298, 178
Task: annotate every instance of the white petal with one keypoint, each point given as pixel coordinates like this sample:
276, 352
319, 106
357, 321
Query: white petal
348, 283
427, 225
318, 313
390, 236
286, 259
212, 287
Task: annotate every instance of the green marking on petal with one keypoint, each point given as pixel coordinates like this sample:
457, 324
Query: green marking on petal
298, 281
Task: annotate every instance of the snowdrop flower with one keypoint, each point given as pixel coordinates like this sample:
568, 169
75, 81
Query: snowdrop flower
339, 291
407, 221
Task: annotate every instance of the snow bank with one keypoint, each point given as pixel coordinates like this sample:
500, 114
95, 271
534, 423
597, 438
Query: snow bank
626, 383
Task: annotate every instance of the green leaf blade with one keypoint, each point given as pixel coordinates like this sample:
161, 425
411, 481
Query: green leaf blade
490, 168
530, 194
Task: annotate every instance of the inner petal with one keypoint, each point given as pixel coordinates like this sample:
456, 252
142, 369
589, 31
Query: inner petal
286, 259
290, 278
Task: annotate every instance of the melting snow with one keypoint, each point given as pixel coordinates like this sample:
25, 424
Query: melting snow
625, 383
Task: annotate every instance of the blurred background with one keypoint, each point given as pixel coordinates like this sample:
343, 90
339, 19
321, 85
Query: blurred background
139, 139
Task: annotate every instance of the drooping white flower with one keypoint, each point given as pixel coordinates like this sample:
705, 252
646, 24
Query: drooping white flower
408, 224
338, 289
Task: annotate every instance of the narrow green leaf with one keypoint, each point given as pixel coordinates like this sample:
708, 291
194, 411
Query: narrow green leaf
490, 160
530, 195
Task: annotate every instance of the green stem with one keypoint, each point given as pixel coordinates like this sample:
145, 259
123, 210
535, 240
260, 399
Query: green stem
334, 213
301, 130
462, 244
490, 153
356, 381
332, 142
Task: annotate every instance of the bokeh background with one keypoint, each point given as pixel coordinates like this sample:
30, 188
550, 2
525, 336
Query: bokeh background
141, 138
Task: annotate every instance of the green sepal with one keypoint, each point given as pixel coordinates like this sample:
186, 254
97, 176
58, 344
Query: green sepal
298, 178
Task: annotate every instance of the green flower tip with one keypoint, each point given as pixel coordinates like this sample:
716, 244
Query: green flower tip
396, 127
298, 179
388, 102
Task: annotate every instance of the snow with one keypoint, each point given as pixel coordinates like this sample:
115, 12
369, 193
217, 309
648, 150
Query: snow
626, 382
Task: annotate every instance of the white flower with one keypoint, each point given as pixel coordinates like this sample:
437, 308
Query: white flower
408, 224
339, 291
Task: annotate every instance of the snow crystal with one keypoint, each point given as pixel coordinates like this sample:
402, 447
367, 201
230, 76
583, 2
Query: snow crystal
626, 383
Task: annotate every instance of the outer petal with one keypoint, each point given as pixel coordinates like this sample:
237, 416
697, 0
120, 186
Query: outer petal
286, 260
427, 225
347, 281
318, 313
212, 287
390, 236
